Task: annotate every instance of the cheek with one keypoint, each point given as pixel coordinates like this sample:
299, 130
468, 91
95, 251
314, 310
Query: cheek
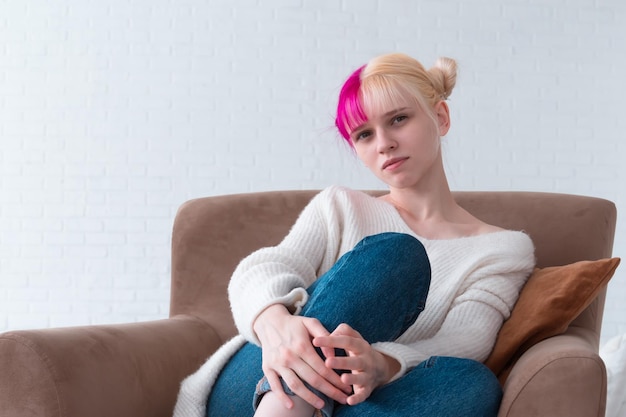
430, 130
368, 157
430, 136
361, 154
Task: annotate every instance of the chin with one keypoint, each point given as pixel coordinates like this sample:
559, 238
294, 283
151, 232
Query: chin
399, 179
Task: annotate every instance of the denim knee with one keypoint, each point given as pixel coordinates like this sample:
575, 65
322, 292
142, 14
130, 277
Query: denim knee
378, 288
401, 245
399, 249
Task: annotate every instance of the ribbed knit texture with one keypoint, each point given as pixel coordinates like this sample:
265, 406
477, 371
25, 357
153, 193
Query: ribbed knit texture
475, 282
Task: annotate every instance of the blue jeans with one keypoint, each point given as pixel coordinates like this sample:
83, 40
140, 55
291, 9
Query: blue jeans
378, 288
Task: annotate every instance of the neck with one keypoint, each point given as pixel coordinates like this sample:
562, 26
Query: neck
425, 201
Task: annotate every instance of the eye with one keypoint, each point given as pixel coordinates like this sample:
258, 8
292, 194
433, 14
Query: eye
362, 135
399, 118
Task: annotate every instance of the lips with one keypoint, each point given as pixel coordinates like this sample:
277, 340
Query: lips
394, 162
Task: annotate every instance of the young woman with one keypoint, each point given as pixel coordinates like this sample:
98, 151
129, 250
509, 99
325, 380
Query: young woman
373, 306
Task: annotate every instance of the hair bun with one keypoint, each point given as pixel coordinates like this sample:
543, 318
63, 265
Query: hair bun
443, 75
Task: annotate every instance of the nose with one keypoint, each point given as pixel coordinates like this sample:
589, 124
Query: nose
385, 142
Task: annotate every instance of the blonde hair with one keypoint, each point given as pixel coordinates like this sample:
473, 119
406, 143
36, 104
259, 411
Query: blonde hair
391, 79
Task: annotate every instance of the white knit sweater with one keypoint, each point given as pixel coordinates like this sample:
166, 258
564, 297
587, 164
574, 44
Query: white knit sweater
475, 281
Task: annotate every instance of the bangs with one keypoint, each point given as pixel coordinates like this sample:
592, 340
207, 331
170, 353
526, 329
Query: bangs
349, 109
376, 94
381, 94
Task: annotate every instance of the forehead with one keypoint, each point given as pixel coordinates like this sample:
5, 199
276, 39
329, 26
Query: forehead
382, 102
379, 97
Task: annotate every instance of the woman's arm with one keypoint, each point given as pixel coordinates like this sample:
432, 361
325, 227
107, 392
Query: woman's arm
492, 272
281, 274
470, 327
267, 291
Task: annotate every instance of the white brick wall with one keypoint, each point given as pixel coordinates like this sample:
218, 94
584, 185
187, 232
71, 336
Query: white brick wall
113, 113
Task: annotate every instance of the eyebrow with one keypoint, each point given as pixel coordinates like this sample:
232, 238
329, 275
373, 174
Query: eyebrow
389, 113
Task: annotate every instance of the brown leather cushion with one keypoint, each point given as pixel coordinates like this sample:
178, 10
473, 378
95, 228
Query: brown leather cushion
551, 299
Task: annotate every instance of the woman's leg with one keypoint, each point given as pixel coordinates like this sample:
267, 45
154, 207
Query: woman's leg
379, 288
232, 393
438, 387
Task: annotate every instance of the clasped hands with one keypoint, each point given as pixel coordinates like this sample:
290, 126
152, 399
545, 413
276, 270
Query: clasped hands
288, 343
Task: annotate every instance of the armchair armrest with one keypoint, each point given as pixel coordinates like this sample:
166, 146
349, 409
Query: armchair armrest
560, 376
114, 370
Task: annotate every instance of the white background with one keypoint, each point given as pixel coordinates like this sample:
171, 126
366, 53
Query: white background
113, 113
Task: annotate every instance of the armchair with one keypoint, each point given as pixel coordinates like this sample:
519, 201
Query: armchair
136, 369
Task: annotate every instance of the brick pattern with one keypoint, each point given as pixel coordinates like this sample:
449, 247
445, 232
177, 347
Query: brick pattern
114, 113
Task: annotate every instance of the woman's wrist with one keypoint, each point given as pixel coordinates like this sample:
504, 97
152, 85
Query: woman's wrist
389, 368
272, 313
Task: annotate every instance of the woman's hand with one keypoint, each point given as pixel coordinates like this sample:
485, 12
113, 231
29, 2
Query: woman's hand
288, 353
369, 368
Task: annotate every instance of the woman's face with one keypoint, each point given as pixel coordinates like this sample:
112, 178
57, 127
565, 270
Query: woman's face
401, 145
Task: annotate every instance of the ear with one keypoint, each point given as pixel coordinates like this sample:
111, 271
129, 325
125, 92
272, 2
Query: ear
443, 117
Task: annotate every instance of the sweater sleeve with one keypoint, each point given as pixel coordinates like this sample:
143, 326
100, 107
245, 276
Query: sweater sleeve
281, 274
476, 314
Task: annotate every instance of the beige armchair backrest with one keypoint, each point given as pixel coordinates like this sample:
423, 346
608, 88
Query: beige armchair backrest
211, 235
